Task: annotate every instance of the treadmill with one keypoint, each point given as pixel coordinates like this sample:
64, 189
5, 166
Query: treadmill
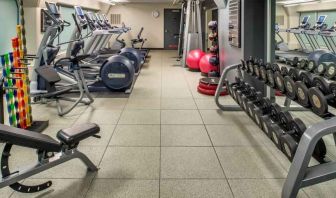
312, 33
303, 52
328, 36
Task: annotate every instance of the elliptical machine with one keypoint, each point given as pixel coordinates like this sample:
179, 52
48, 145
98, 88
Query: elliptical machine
117, 72
47, 76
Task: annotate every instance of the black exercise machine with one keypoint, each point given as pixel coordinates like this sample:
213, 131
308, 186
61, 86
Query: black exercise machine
51, 76
50, 153
140, 40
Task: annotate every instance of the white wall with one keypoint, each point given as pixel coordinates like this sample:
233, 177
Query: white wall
140, 15
33, 18
316, 7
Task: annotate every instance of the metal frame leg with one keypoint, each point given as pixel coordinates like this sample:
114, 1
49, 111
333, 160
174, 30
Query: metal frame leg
300, 175
220, 89
58, 159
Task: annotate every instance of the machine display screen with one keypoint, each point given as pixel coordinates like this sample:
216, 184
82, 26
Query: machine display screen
321, 19
53, 8
305, 19
79, 11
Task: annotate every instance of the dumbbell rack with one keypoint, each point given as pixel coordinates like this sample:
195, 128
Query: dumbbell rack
300, 175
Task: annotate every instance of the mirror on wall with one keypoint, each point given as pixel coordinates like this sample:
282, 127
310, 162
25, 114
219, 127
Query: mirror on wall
303, 29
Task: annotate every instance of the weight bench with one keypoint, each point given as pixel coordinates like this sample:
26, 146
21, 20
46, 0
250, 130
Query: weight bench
50, 152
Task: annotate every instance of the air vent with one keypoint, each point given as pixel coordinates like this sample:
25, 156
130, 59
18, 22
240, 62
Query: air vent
116, 19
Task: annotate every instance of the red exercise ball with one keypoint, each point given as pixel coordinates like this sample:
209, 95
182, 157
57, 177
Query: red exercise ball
205, 65
194, 58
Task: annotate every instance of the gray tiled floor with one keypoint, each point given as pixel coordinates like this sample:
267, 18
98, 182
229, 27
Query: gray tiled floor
166, 140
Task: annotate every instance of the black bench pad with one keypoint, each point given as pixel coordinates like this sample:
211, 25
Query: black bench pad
28, 139
77, 133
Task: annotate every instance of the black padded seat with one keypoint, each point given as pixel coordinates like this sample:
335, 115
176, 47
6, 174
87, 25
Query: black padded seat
28, 139
77, 133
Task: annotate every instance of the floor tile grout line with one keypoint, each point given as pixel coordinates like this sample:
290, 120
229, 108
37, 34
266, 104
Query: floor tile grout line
160, 158
107, 146
199, 112
167, 178
281, 165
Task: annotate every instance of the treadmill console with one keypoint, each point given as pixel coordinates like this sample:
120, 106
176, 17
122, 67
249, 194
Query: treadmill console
53, 14
305, 22
52, 8
92, 20
104, 17
80, 15
320, 23
105, 20
100, 21
79, 12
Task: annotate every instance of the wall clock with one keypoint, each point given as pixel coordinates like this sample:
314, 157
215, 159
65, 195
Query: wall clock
156, 14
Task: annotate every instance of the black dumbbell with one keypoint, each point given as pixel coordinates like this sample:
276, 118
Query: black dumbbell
311, 66
302, 86
289, 83
256, 68
294, 62
330, 71
243, 93
239, 84
263, 71
250, 66
322, 95
270, 78
290, 138
284, 70
278, 127
302, 64
270, 75
230, 86
321, 69
272, 117
284, 124
251, 95
246, 90
252, 102
260, 108
243, 64
279, 81
279, 78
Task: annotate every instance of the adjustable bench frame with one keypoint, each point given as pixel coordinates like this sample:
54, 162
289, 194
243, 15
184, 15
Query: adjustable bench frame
44, 163
50, 153
300, 175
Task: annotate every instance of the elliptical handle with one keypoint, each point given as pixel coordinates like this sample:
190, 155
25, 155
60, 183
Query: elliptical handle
77, 25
